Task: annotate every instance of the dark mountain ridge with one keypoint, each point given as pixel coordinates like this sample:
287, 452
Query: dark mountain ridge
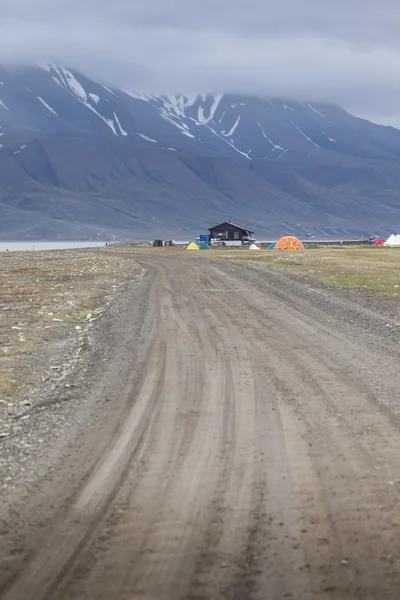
78, 159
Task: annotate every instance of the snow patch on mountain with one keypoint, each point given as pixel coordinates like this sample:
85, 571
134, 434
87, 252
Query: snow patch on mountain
238, 150
108, 122
171, 111
283, 153
121, 130
195, 116
148, 139
234, 127
47, 105
109, 90
178, 104
254, 128
319, 113
19, 150
202, 118
68, 82
188, 134
274, 146
190, 113
304, 134
138, 96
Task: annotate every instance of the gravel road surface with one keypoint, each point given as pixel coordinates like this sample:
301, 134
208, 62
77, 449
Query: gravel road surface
241, 441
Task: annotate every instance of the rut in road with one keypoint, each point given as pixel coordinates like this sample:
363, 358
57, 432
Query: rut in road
257, 457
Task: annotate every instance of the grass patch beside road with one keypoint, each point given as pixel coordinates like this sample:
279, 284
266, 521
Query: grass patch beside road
45, 298
359, 267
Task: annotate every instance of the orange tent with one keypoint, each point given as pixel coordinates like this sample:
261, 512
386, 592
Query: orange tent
289, 242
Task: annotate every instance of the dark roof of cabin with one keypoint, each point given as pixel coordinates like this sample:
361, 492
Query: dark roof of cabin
234, 225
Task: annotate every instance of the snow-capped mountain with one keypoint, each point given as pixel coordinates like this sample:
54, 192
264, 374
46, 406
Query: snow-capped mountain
53, 99
166, 162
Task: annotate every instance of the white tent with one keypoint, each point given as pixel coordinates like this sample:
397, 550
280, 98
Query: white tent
389, 240
254, 247
393, 240
396, 241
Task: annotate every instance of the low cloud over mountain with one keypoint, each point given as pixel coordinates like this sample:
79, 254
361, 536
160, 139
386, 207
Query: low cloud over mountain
342, 52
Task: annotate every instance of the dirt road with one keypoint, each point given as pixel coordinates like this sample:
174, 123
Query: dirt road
241, 442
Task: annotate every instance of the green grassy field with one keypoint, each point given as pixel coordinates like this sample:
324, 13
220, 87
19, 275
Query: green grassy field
362, 267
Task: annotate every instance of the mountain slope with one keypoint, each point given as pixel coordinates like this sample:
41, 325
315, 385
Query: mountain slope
80, 159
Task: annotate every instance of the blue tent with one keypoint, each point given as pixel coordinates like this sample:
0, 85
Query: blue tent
271, 247
203, 246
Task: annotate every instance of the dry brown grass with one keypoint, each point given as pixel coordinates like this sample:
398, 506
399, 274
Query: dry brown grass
362, 267
43, 295
8, 385
373, 268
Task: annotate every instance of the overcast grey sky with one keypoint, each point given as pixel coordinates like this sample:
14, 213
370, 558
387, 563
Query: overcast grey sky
342, 51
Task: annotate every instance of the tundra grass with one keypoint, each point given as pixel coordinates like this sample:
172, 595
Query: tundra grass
357, 267
43, 295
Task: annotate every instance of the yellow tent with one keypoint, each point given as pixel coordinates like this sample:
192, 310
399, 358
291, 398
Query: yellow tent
192, 246
289, 242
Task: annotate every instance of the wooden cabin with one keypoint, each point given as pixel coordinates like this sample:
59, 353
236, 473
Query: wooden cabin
231, 233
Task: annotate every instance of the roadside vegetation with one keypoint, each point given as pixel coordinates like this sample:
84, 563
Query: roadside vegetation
355, 267
365, 267
47, 300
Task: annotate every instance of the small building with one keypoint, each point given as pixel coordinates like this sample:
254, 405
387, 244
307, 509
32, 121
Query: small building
231, 234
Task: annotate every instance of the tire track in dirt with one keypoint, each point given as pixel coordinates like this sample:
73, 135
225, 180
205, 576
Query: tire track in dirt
75, 529
204, 448
336, 417
256, 460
